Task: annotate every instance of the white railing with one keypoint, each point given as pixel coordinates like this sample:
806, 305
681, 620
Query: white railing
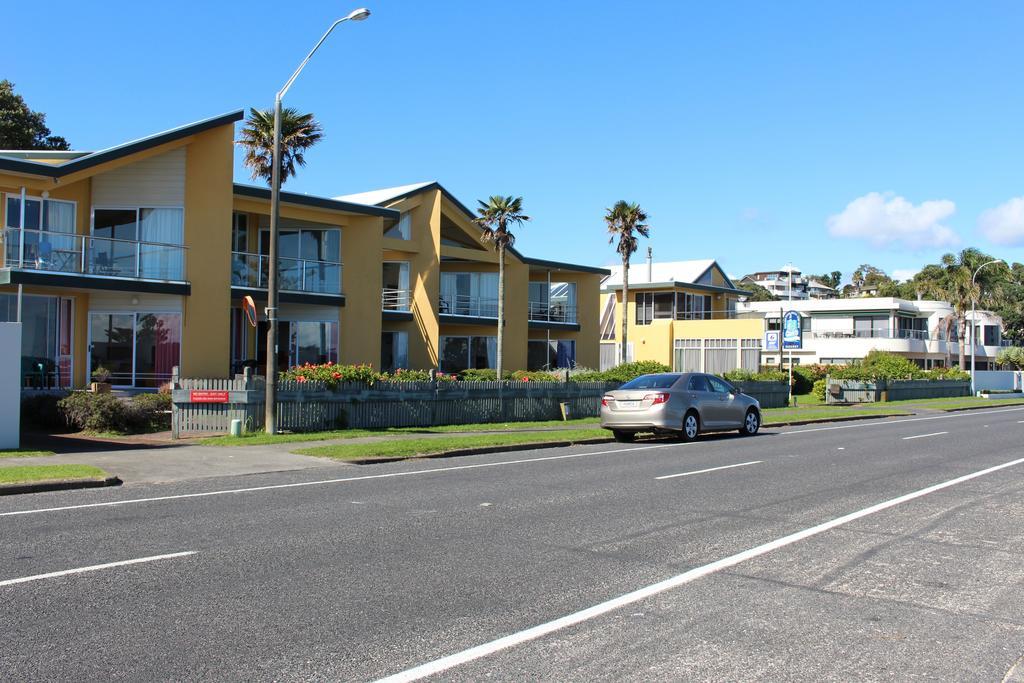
62, 252
459, 304
552, 311
394, 299
294, 275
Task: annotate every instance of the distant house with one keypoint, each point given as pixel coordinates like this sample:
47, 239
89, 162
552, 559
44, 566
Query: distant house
681, 314
780, 283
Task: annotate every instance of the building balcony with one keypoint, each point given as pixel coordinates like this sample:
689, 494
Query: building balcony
552, 312
249, 271
468, 306
392, 299
58, 258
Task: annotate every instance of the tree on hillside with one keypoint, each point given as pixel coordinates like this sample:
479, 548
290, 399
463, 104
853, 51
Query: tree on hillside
497, 214
22, 128
757, 292
299, 132
625, 221
829, 280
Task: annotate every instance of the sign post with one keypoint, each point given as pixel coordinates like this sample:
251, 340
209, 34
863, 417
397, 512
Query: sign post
792, 338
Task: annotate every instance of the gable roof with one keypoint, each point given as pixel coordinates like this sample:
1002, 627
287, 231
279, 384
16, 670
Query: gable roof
85, 160
695, 273
392, 194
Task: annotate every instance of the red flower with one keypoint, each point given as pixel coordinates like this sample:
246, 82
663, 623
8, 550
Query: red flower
301, 378
526, 379
336, 375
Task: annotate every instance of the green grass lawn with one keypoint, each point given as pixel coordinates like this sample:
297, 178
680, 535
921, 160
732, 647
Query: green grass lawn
823, 413
260, 439
23, 474
959, 402
23, 453
404, 448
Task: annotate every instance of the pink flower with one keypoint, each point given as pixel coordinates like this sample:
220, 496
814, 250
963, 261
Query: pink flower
301, 378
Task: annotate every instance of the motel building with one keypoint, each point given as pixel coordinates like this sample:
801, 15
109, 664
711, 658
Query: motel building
137, 258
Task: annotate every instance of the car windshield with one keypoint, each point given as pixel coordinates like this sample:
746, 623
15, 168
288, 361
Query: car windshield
651, 382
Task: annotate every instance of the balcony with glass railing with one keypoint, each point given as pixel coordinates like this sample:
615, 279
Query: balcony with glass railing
552, 312
73, 254
472, 306
293, 275
395, 299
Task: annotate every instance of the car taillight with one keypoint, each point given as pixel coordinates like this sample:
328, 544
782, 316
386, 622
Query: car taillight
655, 399
604, 401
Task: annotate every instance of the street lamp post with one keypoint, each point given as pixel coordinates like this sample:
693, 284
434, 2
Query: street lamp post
270, 416
974, 302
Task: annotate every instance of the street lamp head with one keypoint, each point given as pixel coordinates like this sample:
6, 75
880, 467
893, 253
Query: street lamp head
359, 14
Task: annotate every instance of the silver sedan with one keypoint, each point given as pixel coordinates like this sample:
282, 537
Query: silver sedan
686, 403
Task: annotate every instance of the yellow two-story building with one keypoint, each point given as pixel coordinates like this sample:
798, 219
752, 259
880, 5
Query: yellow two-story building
682, 314
138, 258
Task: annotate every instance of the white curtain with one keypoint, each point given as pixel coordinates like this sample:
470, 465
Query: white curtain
485, 287
448, 292
164, 226
492, 352
60, 216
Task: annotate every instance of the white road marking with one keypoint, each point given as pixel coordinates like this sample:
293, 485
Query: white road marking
841, 448
459, 658
95, 567
923, 436
885, 423
389, 475
710, 469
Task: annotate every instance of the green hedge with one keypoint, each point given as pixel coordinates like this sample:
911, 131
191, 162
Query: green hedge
105, 412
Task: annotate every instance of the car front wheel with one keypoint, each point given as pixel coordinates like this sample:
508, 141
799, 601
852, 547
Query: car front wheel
751, 423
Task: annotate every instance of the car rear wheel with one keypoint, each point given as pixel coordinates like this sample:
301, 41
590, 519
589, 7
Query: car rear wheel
691, 426
623, 437
751, 423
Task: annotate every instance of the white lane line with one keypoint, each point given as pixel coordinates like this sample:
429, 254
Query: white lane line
924, 436
445, 663
710, 469
882, 422
319, 482
95, 567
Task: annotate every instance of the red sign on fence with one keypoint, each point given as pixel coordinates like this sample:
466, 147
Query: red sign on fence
208, 397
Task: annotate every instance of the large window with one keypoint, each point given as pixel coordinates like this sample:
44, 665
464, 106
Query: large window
240, 232
395, 295
550, 355
49, 241
307, 258
116, 233
139, 349
472, 294
554, 302
314, 342
667, 305
46, 334
871, 326
464, 353
692, 306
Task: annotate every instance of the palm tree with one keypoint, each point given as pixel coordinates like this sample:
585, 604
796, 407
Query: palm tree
299, 132
951, 281
624, 219
497, 214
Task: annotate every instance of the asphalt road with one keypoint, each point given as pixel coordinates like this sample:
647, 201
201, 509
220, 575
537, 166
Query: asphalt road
777, 563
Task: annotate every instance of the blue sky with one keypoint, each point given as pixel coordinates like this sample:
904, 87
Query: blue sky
753, 133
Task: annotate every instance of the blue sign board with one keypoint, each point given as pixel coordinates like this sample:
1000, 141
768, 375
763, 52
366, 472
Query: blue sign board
771, 340
791, 333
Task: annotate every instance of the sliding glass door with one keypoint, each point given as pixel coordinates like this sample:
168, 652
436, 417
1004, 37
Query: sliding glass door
139, 349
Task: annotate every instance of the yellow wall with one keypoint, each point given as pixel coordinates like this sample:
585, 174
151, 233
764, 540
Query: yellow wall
205, 329
361, 284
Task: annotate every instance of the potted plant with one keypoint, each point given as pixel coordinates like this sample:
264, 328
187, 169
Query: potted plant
100, 380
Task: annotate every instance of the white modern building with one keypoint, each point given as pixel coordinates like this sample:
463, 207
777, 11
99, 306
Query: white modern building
841, 331
779, 282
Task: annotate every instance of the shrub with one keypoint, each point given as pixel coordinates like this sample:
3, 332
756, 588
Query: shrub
107, 413
818, 391
481, 375
947, 373
628, 371
149, 413
40, 411
803, 380
880, 365
536, 376
1012, 357
743, 375
331, 374
402, 375
101, 375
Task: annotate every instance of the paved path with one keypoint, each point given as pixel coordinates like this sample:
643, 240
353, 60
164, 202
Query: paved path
875, 550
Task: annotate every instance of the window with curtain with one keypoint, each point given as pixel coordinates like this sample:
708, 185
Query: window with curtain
51, 243
402, 230
474, 294
162, 228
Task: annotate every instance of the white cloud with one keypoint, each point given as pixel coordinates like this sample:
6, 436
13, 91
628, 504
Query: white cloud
884, 219
903, 274
1005, 223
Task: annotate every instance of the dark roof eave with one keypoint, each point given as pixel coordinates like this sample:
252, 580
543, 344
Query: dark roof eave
317, 202
94, 159
674, 284
565, 266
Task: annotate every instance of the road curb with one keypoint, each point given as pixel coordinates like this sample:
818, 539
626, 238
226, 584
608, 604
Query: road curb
1005, 405
483, 450
58, 485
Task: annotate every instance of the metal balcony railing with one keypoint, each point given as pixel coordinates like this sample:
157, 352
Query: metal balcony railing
552, 312
395, 299
294, 275
62, 252
477, 307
